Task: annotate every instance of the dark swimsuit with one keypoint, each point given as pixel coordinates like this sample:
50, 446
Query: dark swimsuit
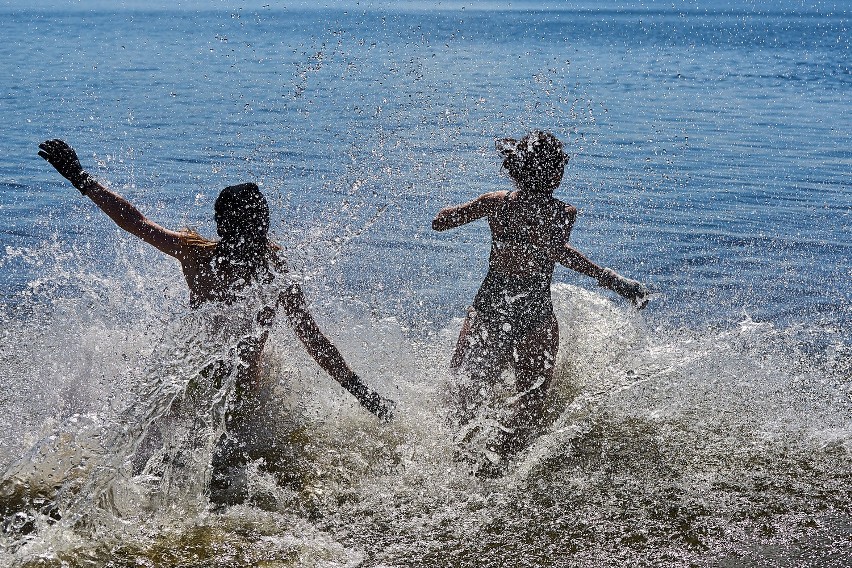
511, 304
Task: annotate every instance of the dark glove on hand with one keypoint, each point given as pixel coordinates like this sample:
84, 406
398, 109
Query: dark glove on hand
63, 157
632, 290
369, 399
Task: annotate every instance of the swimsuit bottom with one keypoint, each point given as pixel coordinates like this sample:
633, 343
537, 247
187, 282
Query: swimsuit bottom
513, 305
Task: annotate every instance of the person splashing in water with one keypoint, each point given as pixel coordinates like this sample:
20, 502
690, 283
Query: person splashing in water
512, 322
218, 271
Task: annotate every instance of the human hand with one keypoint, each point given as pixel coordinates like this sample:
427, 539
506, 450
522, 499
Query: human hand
63, 157
632, 290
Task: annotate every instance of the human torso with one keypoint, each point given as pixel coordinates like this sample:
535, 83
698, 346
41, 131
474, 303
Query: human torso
214, 278
525, 231
206, 280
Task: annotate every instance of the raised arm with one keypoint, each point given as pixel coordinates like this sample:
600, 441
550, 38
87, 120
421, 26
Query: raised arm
63, 157
327, 355
457, 215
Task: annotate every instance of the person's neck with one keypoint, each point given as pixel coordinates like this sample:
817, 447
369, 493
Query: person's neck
242, 243
533, 193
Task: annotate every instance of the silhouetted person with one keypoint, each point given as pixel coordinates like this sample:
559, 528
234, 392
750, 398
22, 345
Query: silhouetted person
220, 271
512, 321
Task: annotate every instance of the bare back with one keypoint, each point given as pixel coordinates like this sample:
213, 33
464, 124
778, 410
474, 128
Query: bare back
527, 231
210, 276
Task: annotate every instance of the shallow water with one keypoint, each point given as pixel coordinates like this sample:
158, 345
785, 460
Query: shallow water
676, 448
710, 158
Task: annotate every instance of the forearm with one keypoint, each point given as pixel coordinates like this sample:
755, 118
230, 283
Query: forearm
447, 218
318, 345
129, 218
63, 157
327, 356
451, 217
121, 211
575, 260
635, 291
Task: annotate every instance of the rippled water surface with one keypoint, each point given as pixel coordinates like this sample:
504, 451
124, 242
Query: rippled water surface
710, 154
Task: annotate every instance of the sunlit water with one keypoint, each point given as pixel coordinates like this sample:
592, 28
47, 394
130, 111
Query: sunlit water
710, 158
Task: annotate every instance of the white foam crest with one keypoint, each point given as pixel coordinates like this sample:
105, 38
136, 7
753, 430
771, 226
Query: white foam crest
709, 404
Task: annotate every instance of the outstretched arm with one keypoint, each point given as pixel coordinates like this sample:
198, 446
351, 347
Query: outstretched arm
326, 354
63, 157
568, 256
317, 345
632, 290
452, 217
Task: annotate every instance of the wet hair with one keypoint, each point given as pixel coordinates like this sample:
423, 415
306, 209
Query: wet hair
536, 162
242, 213
242, 221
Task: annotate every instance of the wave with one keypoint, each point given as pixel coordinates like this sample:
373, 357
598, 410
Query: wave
666, 446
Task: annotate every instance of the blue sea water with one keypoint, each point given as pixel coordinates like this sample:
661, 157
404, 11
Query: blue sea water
711, 150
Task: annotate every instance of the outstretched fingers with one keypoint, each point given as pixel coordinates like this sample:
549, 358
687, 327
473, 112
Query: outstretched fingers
54, 146
45, 149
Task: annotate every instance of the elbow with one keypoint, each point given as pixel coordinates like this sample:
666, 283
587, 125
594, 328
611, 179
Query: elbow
437, 225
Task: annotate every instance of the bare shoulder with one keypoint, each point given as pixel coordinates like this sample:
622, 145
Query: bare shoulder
567, 212
191, 237
565, 209
277, 258
193, 248
491, 201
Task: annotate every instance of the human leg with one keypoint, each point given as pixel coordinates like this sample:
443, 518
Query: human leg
483, 357
463, 342
534, 359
